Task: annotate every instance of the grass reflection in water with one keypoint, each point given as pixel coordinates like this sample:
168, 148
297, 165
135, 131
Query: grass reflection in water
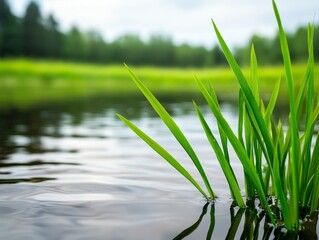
250, 226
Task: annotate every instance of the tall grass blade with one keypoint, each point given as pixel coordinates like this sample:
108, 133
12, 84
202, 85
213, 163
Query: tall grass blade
249, 98
241, 107
254, 77
307, 172
223, 136
238, 147
227, 169
248, 134
291, 173
310, 125
273, 100
294, 154
279, 189
315, 193
163, 153
175, 130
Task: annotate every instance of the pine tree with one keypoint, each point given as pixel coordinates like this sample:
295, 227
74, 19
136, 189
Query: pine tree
10, 32
33, 31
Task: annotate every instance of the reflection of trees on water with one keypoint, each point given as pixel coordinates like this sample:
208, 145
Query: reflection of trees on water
34, 124
30, 124
48, 120
254, 223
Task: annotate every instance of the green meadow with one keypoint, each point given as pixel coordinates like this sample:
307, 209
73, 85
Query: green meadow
26, 83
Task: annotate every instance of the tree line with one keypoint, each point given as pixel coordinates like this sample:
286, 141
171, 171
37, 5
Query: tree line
36, 36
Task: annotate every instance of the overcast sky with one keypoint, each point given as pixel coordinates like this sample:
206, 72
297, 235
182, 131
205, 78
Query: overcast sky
183, 20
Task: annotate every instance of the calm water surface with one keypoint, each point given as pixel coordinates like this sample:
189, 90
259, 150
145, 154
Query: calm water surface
74, 171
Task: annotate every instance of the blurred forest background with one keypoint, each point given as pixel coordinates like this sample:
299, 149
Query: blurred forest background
39, 37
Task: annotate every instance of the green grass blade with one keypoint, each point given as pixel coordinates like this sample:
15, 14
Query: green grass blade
258, 159
315, 193
311, 77
249, 136
308, 82
226, 167
281, 160
307, 88
163, 153
175, 130
302, 91
309, 110
223, 137
277, 181
238, 148
293, 123
259, 146
314, 163
254, 77
273, 99
308, 172
308, 192
241, 107
315, 153
249, 97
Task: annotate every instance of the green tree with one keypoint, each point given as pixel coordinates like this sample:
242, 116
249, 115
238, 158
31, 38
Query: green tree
187, 56
199, 56
184, 55
262, 47
10, 32
161, 51
242, 55
53, 38
130, 49
96, 47
33, 31
275, 53
267, 50
74, 45
298, 45
34, 36
217, 57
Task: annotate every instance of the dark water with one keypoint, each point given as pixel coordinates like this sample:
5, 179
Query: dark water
74, 171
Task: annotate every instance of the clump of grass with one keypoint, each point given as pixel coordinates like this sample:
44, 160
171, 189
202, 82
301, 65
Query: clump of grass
281, 164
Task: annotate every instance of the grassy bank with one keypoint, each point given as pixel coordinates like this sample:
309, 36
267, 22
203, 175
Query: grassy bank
24, 83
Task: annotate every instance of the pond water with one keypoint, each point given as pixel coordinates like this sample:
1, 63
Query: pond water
74, 171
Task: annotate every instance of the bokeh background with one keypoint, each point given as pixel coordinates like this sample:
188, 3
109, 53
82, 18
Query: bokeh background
153, 32
56, 50
70, 169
